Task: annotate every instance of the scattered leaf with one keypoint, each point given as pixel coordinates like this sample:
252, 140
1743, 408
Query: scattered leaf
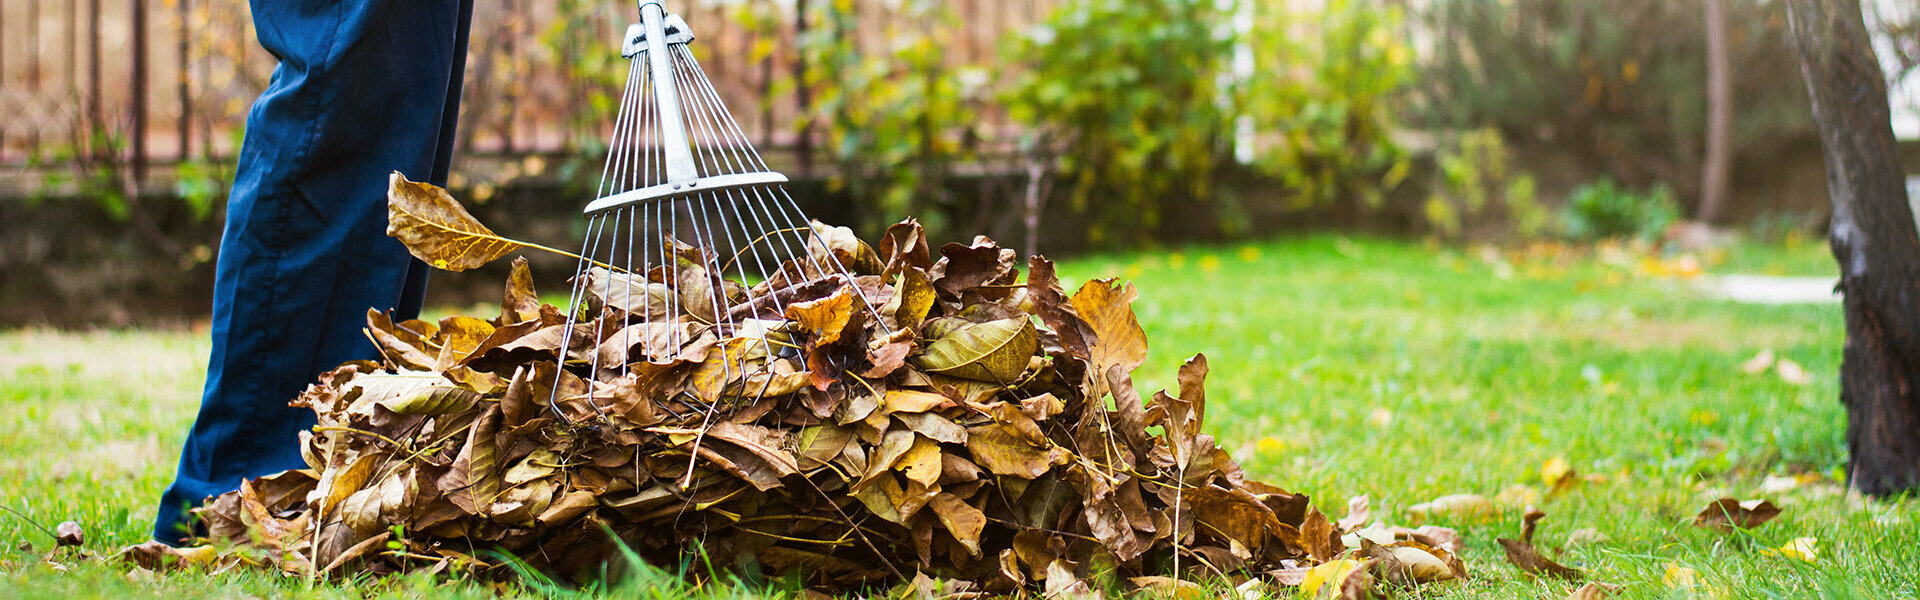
1759, 363
1800, 548
1592, 590
68, 533
1678, 576
1792, 372
1729, 513
1468, 507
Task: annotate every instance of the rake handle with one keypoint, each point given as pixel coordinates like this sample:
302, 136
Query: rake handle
681, 171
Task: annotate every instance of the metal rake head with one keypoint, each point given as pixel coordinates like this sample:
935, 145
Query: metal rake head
692, 243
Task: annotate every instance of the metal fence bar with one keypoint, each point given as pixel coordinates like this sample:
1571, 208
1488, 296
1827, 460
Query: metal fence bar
183, 125
136, 102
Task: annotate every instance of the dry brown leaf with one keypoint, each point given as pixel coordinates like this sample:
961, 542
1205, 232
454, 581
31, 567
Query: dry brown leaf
826, 318
437, 230
1730, 513
1454, 507
963, 521
1408, 566
1529, 559
1108, 310
995, 351
68, 533
1593, 590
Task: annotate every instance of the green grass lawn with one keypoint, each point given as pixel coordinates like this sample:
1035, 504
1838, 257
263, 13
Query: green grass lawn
1339, 367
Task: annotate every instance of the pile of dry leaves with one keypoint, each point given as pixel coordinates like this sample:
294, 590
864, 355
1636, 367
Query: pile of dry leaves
932, 415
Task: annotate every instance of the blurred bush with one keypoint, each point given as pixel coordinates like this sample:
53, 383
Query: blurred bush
1129, 94
1478, 192
1622, 83
1328, 101
1605, 209
897, 120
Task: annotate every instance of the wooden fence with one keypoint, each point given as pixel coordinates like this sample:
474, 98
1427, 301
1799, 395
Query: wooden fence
133, 84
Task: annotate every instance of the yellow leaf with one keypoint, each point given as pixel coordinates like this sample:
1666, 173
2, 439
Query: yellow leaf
911, 401
921, 462
1678, 576
1109, 309
824, 318
996, 351
962, 520
1556, 472
1802, 548
1328, 574
437, 230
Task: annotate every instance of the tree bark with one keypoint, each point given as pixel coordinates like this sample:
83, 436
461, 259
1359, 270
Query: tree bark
1718, 166
1874, 240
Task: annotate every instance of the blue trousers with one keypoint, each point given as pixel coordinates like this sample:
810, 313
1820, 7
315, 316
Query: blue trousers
364, 88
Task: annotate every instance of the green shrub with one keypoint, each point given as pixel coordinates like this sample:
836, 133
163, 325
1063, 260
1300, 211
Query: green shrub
1475, 186
896, 119
1328, 101
1605, 209
1129, 92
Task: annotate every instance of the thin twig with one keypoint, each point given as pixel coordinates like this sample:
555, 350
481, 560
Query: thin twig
43, 528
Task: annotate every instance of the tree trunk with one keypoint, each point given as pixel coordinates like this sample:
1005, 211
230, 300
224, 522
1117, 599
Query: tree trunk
1874, 240
1719, 160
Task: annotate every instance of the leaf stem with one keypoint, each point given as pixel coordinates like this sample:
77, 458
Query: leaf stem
36, 524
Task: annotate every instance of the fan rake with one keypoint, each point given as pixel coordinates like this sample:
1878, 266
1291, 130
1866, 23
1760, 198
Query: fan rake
693, 246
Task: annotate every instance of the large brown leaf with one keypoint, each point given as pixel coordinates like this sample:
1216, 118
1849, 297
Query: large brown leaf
995, 351
1730, 513
437, 230
1108, 309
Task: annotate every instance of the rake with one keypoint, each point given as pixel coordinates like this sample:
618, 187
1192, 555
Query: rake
692, 242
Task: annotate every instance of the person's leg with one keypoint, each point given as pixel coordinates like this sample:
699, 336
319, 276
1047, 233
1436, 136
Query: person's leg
364, 88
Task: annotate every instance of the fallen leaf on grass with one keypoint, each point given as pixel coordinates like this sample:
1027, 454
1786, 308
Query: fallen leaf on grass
1332, 575
68, 533
1411, 565
1801, 548
1792, 372
1558, 474
1593, 590
160, 557
1523, 555
1455, 507
1678, 576
1528, 558
1357, 514
1728, 513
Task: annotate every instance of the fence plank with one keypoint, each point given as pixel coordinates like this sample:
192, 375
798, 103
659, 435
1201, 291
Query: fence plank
525, 93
